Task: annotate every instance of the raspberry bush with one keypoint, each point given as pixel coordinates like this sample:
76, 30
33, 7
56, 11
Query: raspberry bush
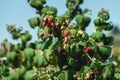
64, 50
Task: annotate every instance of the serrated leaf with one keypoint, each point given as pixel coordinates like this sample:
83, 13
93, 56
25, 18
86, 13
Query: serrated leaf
91, 43
107, 73
79, 19
63, 76
105, 50
48, 54
29, 75
33, 22
29, 52
46, 44
54, 44
98, 36
85, 36
73, 32
108, 40
14, 75
117, 75
82, 43
11, 56
39, 60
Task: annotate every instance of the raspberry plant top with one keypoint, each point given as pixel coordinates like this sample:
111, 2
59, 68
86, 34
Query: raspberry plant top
64, 50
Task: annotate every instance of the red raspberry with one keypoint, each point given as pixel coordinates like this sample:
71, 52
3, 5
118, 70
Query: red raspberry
86, 50
65, 42
56, 25
66, 33
49, 21
49, 24
88, 62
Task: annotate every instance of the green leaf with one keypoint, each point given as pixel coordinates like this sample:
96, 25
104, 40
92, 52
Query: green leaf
22, 71
33, 22
14, 75
117, 75
25, 37
107, 73
44, 10
79, 19
11, 56
108, 40
29, 52
16, 36
54, 44
43, 1
104, 52
82, 43
103, 64
67, 16
36, 3
19, 46
71, 5
98, 36
63, 76
86, 10
79, 1
73, 32
46, 44
59, 19
2, 53
49, 11
6, 78
4, 70
39, 31
83, 21
85, 36
91, 43
52, 11
98, 22
86, 21
39, 60
29, 75
48, 54
108, 26
46, 30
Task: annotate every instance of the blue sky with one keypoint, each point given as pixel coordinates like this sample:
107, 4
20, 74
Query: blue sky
18, 12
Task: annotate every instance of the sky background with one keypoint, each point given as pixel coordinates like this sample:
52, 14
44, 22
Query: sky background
18, 12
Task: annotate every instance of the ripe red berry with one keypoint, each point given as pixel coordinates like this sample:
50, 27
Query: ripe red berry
56, 25
49, 24
66, 33
65, 42
88, 62
86, 50
49, 21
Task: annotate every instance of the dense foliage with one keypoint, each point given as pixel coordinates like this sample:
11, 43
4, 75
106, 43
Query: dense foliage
64, 50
